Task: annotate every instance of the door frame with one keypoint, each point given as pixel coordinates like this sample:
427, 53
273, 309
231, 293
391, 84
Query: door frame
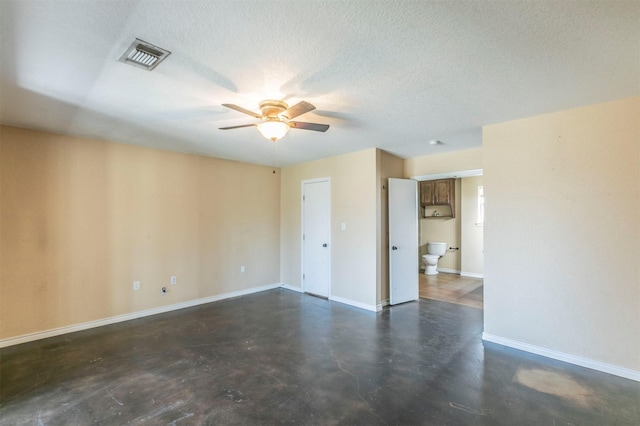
302, 184
461, 174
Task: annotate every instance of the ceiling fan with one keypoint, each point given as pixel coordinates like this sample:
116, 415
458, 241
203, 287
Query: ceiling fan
276, 118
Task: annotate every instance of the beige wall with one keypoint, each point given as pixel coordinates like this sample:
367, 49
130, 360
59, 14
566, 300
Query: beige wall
562, 232
457, 161
354, 251
389, 166
471, 254
82, 219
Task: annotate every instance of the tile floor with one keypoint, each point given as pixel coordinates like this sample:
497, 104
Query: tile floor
452, 288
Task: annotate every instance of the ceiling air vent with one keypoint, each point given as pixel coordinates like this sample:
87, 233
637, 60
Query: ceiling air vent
144, 55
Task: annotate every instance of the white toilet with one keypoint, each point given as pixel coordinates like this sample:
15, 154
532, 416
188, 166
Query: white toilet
434, 252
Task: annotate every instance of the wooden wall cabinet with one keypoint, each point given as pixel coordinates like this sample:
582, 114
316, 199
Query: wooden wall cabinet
441, 192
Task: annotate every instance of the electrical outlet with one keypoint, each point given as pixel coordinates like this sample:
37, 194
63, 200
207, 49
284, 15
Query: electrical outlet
242, 269
163, 291
136, 285
174, 279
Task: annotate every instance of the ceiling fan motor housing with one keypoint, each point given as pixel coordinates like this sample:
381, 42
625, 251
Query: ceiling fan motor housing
272, 108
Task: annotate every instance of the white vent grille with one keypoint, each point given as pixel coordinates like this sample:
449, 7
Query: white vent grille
144, 55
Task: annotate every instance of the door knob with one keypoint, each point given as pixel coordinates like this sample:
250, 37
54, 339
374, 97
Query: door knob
394, 248
324, 245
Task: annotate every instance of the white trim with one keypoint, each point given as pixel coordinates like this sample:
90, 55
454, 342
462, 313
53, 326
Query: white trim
627, 373
461, 174
292, 288
381, 305
471, 274
127, 317
449, 271
316, 180
374, 308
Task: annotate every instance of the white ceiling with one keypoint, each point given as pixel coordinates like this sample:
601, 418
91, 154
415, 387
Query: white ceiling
387, 74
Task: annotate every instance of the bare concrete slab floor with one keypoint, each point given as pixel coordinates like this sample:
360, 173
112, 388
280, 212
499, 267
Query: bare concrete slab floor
282, 357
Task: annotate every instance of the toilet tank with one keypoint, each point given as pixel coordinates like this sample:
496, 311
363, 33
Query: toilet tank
436, 248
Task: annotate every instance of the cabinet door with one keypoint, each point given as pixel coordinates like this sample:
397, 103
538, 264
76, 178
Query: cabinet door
427, 189
443, 192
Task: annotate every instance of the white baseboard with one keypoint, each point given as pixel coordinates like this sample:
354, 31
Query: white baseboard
471, 274
449, 271
133, 315
373, 308
627, 373
292, 288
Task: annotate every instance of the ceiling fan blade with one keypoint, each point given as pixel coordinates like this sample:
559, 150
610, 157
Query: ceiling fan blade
236, 127
309, 126
296, 110
242, 110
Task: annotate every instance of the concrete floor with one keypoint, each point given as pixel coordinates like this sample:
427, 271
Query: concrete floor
282, 357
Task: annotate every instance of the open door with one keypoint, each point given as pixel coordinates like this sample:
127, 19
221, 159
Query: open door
403, 240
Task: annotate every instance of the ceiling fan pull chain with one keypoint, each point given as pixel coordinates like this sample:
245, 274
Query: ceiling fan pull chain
273, 159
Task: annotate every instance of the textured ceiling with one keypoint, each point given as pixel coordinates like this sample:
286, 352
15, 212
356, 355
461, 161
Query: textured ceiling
387, 74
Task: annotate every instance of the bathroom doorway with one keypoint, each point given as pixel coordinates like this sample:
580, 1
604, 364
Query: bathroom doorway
461, 269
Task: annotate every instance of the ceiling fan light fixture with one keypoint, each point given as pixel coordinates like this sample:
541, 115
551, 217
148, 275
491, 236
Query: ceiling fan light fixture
276, 116
273, 129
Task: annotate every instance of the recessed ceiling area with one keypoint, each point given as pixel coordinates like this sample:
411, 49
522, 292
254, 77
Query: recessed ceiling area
386, 74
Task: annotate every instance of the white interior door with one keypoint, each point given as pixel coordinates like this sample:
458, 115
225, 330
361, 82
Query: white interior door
403, 240
316, 236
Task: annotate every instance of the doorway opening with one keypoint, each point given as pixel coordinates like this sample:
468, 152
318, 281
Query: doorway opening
460, 277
